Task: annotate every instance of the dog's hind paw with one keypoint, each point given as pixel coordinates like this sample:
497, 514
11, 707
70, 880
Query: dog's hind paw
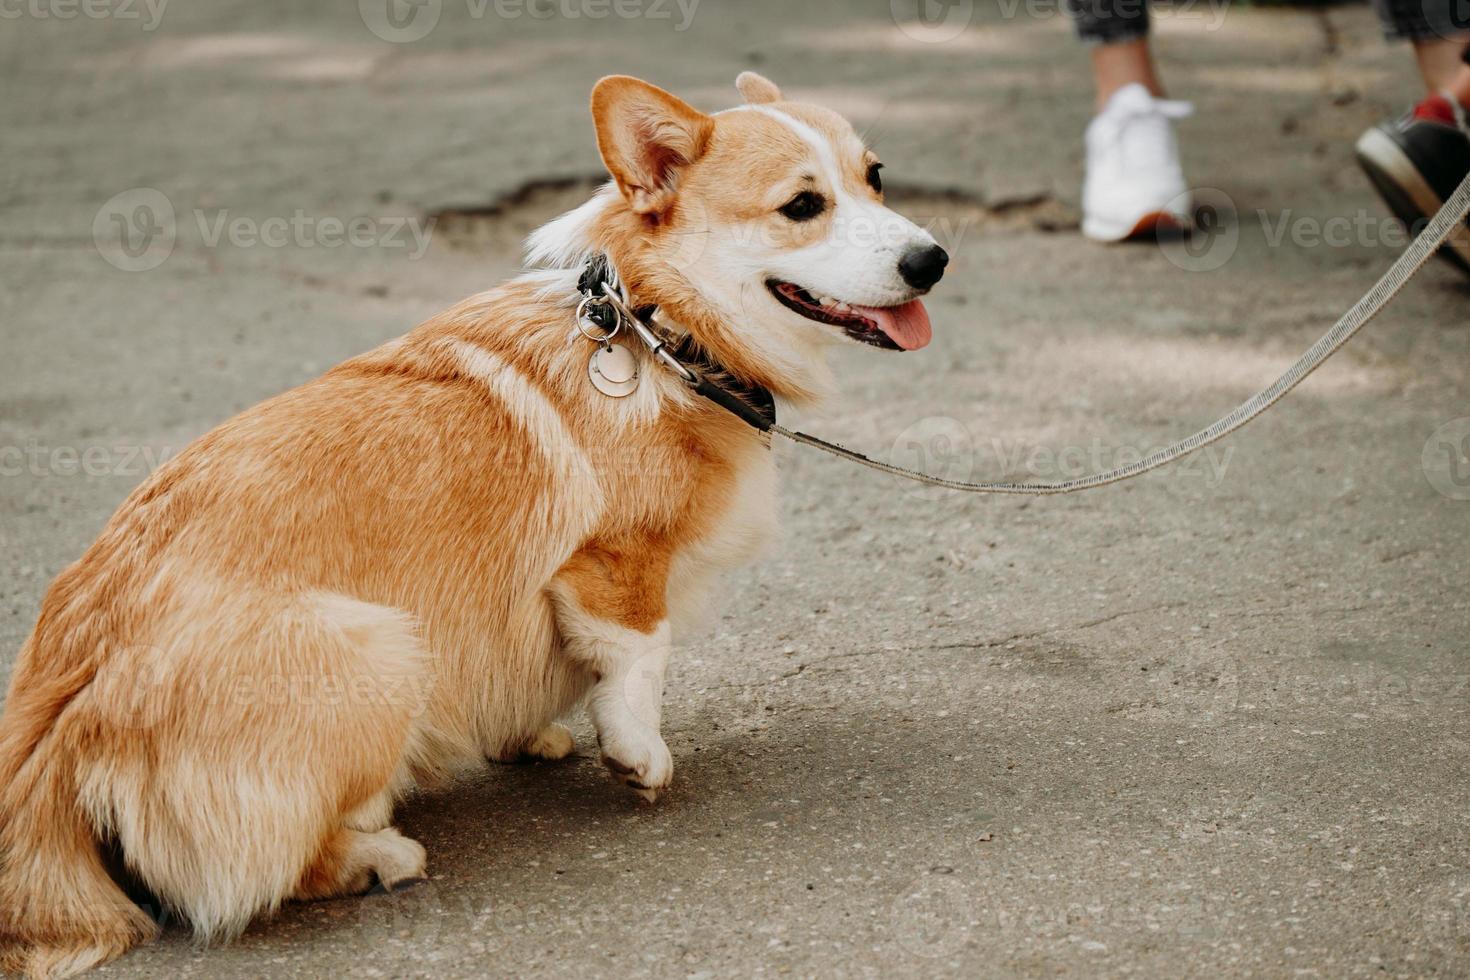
354, 863
397, 862
553, 743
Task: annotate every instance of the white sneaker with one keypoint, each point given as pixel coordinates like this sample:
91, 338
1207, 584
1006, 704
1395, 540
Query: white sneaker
1134, 182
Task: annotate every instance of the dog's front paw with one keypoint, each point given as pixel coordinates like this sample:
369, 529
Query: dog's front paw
643, 763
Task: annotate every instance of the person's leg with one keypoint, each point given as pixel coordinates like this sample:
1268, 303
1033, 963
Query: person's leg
1117, 65
1442, 63
1109, 21
1459, 86
1417, 159
1134, 183
1117, 31
1453, 78
1440, 34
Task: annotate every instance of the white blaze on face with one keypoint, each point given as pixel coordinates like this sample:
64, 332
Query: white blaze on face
856, 262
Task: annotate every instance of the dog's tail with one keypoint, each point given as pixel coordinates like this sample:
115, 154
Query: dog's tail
61, 912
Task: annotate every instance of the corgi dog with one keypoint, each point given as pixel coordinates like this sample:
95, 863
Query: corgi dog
427, 556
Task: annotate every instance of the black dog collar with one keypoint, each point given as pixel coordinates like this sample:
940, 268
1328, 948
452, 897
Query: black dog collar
752, 403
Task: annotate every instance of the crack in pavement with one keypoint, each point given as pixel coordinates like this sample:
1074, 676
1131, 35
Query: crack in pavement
802, 668
1090, 624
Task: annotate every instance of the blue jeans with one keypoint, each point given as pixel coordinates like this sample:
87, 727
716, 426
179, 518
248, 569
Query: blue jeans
1116, 21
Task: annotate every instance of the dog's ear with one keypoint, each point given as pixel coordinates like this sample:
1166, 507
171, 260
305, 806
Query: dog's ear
757, 89
646, 136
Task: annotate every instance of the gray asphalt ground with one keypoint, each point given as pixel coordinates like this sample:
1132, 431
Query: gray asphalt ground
1211, 723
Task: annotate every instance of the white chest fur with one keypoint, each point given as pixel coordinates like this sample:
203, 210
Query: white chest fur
735, 536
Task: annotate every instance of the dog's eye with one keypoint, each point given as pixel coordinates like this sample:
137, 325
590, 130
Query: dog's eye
875, 179
804, 206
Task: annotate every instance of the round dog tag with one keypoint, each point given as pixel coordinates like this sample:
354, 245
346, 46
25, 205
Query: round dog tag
613, 371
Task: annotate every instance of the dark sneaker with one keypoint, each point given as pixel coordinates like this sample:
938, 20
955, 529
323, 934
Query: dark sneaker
1417, 161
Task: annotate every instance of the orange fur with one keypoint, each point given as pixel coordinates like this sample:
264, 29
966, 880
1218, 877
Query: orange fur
378, 579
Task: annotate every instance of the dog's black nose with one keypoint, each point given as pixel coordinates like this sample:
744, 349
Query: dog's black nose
924, 266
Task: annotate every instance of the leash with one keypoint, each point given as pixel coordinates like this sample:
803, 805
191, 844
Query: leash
1450, 217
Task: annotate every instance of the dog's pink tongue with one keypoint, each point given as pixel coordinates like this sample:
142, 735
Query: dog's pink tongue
906, 325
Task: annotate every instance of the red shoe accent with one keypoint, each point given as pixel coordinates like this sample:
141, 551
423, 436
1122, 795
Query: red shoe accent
1156, 223
1436, 108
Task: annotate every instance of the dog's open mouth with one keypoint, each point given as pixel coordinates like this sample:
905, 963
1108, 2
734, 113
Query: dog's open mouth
903, 327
